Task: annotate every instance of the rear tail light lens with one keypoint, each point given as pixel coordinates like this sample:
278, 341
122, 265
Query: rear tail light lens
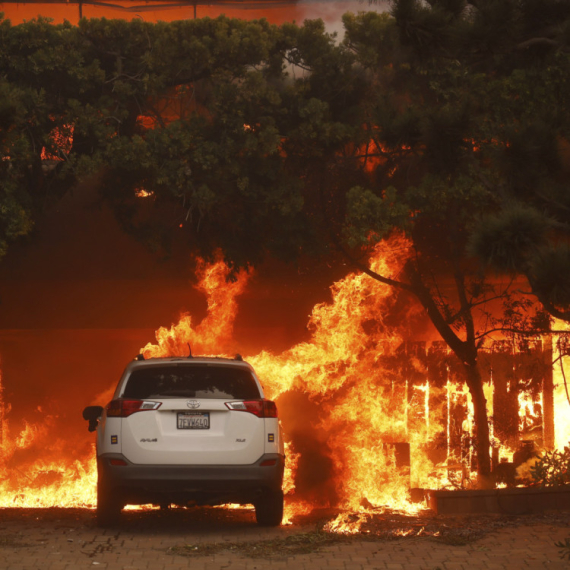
270, 409
124, 408
259, 408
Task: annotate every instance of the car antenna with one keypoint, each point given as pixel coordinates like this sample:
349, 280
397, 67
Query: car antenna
189, 350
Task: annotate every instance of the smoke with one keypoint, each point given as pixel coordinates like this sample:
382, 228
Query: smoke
331, 11
303, 419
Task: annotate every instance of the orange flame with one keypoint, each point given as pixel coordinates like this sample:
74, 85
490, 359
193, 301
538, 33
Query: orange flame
214, 334
26, 481
61, 141
359, 431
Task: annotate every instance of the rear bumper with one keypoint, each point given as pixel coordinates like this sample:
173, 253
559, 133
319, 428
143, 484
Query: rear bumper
180, 484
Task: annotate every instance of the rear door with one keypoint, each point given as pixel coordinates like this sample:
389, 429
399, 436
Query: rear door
189, 422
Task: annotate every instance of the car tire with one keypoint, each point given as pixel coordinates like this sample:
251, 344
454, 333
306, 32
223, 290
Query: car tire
108, 506
269, 509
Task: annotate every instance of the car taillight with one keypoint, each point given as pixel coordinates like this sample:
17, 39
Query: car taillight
259, 408
123, 408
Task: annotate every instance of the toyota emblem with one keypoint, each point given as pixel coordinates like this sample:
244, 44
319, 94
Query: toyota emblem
193, 404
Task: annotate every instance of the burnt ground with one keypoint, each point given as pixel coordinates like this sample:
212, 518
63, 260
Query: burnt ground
210, 538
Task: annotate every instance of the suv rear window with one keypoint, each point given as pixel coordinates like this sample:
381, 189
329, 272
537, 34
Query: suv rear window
191, 381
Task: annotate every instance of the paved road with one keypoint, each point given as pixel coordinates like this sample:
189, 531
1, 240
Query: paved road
210, 539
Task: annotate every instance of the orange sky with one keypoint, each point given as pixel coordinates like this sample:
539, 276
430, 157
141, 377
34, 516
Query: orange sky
70, 11
329, 11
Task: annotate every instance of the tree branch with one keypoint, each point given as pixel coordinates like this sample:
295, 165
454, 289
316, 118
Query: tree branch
459, 347
365, 269
536, 42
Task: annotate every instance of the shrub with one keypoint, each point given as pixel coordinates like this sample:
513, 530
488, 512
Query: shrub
552, 469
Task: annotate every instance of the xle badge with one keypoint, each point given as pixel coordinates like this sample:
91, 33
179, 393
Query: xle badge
114, 439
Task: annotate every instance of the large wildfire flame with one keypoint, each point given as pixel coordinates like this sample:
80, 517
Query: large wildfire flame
361, 430
26, 481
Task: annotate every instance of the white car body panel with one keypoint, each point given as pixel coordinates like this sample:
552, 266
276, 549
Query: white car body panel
109, 438
152, 437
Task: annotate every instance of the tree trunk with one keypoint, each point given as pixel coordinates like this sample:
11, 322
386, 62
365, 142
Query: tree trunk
548, 396
483, 443
466, 351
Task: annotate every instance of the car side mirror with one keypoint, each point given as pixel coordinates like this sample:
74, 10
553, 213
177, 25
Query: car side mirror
92, 415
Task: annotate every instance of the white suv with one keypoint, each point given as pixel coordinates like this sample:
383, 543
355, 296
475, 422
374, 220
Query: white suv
185, 431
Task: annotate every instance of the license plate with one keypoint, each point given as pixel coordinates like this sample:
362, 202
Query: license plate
193, 420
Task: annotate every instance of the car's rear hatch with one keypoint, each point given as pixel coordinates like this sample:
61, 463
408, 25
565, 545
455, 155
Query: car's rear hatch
183, 415
172, 435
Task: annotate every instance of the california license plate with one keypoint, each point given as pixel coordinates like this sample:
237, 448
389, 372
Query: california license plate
193, 420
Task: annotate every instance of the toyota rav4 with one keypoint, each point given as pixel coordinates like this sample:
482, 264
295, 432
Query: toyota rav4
188, 431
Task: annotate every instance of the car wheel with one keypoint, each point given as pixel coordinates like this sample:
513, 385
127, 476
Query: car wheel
269, 509
108, 506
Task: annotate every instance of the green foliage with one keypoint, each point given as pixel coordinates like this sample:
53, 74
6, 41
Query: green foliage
128, 93
491, 33
504, 240
549, 273
441, 119
511, 75
552, 469
366, 210
373, 37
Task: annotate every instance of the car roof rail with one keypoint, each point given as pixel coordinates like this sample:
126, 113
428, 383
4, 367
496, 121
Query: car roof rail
238, 357
140, 356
